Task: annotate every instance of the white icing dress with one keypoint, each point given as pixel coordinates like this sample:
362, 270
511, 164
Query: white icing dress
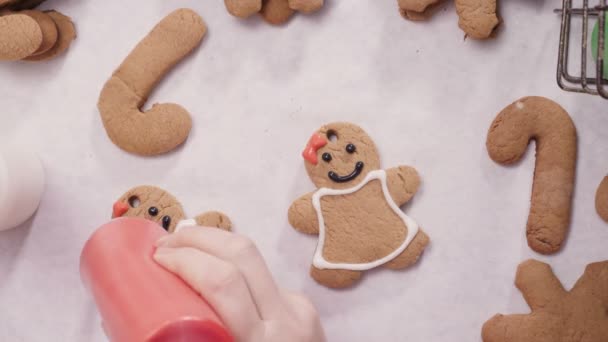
412, 227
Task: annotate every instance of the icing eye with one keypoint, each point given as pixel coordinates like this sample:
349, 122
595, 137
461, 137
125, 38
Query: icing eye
326, 156
350, 148
153, 211
166, 222
133, 201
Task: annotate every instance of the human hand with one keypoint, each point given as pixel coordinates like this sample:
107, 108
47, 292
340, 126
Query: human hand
230, 273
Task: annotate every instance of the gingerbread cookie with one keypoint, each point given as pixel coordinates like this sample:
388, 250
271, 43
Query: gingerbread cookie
243, 8
550, 126
275, 12
557, 315
20, 36
45, 35
66, 33
601, 199
156, 204
48, 28
355, 210
417, 6
165, 126
477, 18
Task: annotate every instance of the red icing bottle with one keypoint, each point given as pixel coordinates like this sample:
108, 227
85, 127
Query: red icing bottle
138, 299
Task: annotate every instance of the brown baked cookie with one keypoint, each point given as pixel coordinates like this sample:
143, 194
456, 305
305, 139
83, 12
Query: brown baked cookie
601, 199
550, 126
20, 36
155, 204
276, 12
25, 5
578, 315
418, 6
48, 28
66, 33
306, 6
165, 126
477, 18
355, 210
243, 8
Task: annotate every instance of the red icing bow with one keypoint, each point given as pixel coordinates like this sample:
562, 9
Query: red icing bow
315, 142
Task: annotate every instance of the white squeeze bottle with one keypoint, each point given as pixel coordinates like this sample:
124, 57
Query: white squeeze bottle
21, 184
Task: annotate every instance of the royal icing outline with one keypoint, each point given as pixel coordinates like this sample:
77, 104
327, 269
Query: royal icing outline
412, 227
185, 223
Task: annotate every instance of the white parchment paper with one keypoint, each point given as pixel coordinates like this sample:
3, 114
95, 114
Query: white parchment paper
256, 93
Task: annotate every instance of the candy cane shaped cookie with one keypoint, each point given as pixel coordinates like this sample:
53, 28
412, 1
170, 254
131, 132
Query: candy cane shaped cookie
165, 126
550, 126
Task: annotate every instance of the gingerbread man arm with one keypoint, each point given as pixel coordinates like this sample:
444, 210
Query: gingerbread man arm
538, 284
403, 182
214, 219
302, 215
594, 282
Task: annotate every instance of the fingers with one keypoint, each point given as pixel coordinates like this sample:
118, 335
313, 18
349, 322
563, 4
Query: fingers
219, 282
240, 253
307, 316
537, 283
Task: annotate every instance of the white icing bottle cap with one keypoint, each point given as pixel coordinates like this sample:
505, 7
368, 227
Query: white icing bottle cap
21, 185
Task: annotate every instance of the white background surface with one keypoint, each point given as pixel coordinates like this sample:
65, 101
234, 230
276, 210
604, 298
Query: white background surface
256, 93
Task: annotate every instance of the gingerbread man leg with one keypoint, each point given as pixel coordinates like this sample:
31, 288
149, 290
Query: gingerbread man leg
411, 254
335, 278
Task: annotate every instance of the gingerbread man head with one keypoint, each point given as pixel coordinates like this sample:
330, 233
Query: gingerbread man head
339, 155
157, 205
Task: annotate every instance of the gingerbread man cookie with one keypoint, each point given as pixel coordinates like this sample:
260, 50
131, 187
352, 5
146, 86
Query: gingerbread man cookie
477, 18
355, 210
156, 204
275, 12
578, 315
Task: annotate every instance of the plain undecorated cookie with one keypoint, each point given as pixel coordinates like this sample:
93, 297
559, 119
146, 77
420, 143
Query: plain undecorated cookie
48, 28
20, 36
477, 18
578, 315
165, 126
276, 12
418, 6
306, 6
601, 199
552, 128
243, 8
66, 33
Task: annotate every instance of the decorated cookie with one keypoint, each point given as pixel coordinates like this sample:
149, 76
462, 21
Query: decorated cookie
275, 12
156, 204
601, 199
542, 120
355, 208
477, 18
165, 126
557, 315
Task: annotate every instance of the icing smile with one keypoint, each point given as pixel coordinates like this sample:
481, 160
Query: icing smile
343, 179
